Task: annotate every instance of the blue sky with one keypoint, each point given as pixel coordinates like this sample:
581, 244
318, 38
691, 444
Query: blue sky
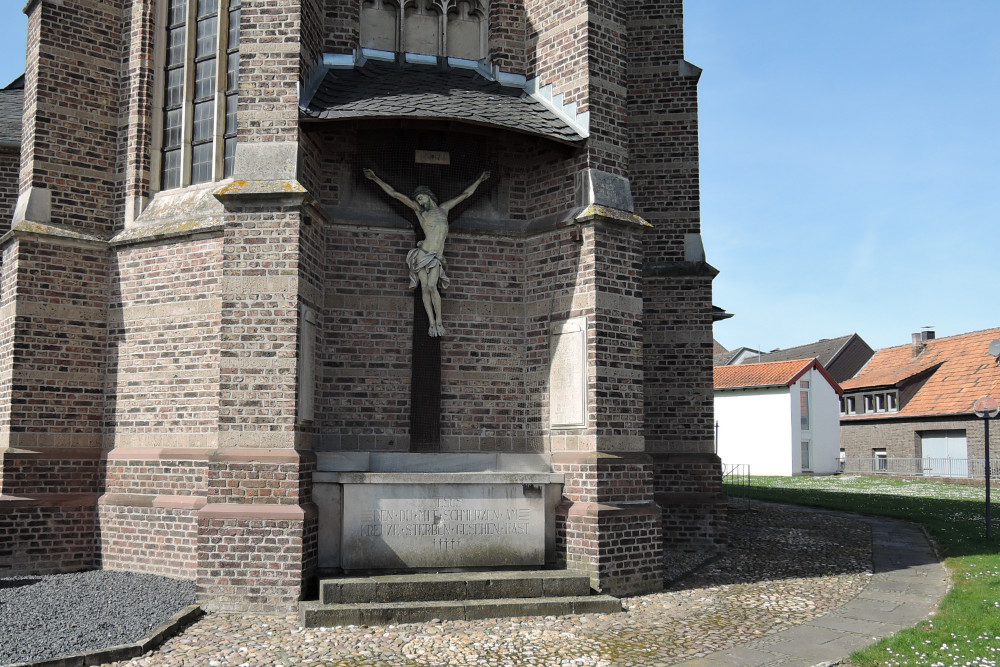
849, 164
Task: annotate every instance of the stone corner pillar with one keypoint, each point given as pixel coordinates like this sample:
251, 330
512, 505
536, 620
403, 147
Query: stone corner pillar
257, 537
608, 524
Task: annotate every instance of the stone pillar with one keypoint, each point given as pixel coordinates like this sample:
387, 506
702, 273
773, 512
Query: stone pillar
257, 533
608, 524
54, 292
677, 282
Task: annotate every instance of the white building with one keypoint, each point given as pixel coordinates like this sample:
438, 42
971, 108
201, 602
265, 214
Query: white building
781, 418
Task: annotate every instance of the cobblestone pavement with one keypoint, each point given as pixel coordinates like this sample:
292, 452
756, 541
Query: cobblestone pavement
783, 568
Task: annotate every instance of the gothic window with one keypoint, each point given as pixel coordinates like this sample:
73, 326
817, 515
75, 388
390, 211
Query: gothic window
455, 28
200, 91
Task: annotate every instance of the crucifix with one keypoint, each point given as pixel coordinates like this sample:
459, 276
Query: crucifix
427, 270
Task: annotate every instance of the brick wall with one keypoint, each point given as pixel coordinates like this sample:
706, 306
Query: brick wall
689, 489
47, 537
677, 330
269, 70
58, 363
155, 540
71, 100
507, 35
164, 330
555, 33
365, 353
900, 438
662, 117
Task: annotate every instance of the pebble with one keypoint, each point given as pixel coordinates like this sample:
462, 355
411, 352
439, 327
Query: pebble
782, 568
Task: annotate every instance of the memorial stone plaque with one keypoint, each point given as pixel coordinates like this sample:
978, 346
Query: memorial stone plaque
394, 526
568, 373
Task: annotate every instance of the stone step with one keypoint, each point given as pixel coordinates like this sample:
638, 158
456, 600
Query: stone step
454, 586
317, 614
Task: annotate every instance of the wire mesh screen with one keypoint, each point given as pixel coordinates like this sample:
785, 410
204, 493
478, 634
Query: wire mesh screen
445, 162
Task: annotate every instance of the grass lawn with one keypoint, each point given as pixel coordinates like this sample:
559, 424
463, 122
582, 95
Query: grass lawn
966, 629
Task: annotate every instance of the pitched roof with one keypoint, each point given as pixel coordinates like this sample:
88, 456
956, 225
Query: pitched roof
11, 111
955, 371
768, 374
825, 350
382, 89
717, 347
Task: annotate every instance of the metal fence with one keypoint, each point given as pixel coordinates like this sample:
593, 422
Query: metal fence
736, 485
928, 467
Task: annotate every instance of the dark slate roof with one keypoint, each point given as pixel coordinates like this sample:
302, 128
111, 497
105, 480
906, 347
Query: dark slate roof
11, 111
381, 89
824, 350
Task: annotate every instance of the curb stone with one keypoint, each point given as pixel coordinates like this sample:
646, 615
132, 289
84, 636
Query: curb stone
161, 633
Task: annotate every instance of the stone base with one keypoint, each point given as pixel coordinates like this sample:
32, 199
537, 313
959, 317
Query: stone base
411, 512
619, 546
689, 489
255, 558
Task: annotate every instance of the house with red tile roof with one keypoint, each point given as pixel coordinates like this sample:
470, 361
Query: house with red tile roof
915, 401
781, 417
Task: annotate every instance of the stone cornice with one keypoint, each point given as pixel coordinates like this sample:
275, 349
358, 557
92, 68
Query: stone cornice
281, 189
53, 233
679, 270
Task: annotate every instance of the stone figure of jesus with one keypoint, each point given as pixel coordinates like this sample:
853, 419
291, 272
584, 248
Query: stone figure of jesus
426, 261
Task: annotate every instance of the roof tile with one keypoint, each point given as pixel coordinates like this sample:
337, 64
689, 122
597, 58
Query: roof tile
772, 374
958, 370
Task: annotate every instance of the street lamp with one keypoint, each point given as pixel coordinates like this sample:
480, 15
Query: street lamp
987, 408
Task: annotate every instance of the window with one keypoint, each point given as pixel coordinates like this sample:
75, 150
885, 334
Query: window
200, 91
806, 462
848, 405
880, 460
884, 401
804, 405
453, 28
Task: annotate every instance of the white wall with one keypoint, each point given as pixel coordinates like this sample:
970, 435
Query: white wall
754, 428
762, 427
824, 431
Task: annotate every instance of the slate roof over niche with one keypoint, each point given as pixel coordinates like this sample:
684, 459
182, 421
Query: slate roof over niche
947, 376
381, 89
770, 374
12, 111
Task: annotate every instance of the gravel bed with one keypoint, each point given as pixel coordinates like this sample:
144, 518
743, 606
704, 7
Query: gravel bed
49, 616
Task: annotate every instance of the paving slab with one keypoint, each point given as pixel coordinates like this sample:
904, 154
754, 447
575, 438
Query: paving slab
907, 586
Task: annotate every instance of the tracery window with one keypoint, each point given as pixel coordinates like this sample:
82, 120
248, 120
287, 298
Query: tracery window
453, 28
200, 91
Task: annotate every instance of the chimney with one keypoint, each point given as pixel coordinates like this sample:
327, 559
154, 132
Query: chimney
920, 341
